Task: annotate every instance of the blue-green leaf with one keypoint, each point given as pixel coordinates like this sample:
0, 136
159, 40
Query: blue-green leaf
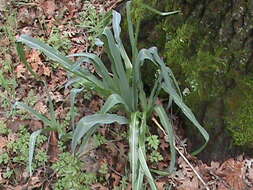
90, 121
146, 169
21, 105
166, 123
111, 101
51, 52
133, 142
32, 143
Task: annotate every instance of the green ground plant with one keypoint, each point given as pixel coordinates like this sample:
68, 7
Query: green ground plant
93, 23
70, 174
153, 144
8, 81
124, 87
17, 151
59, 41
51, 124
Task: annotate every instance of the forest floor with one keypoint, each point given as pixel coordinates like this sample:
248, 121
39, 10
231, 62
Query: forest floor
63, 24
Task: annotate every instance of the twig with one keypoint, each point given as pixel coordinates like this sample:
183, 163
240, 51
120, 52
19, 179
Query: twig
160, 127
196, 173
115, 171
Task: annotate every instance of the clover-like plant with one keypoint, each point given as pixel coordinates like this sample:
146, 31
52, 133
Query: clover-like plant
124, 86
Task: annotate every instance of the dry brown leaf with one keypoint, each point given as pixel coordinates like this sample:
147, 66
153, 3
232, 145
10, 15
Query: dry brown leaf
222, 186
25, 15
116, 178
20, 70
57, 96
34, 57
99, 186
35, 125
189, 184
186, 169
19, 187
46, 70
3, 5
3, 142
250, 174
164, 145
233, 173
123, 148
49, 7
160, 185
41, 107
16, 124
34, 182
2, 180
112, 149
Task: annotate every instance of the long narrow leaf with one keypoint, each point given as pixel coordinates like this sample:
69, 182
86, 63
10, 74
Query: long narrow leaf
133, 142
73, 94
146, 169
168, 87
55, 55
21, 54
116, 29
120, 71
131, 32
99, 65
159, 12
90, 121
84, 147
168, 127
51, 52
34, 112
142, 140
188, 113
111, 101
32, 143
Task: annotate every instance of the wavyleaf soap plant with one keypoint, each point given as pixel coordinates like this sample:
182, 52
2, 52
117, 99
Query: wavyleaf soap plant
124, 86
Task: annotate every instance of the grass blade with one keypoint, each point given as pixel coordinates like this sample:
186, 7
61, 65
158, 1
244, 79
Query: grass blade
90, 121
125, 90
32, 143
55, 55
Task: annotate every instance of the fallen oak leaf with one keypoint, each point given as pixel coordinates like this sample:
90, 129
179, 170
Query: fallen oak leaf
233, 172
